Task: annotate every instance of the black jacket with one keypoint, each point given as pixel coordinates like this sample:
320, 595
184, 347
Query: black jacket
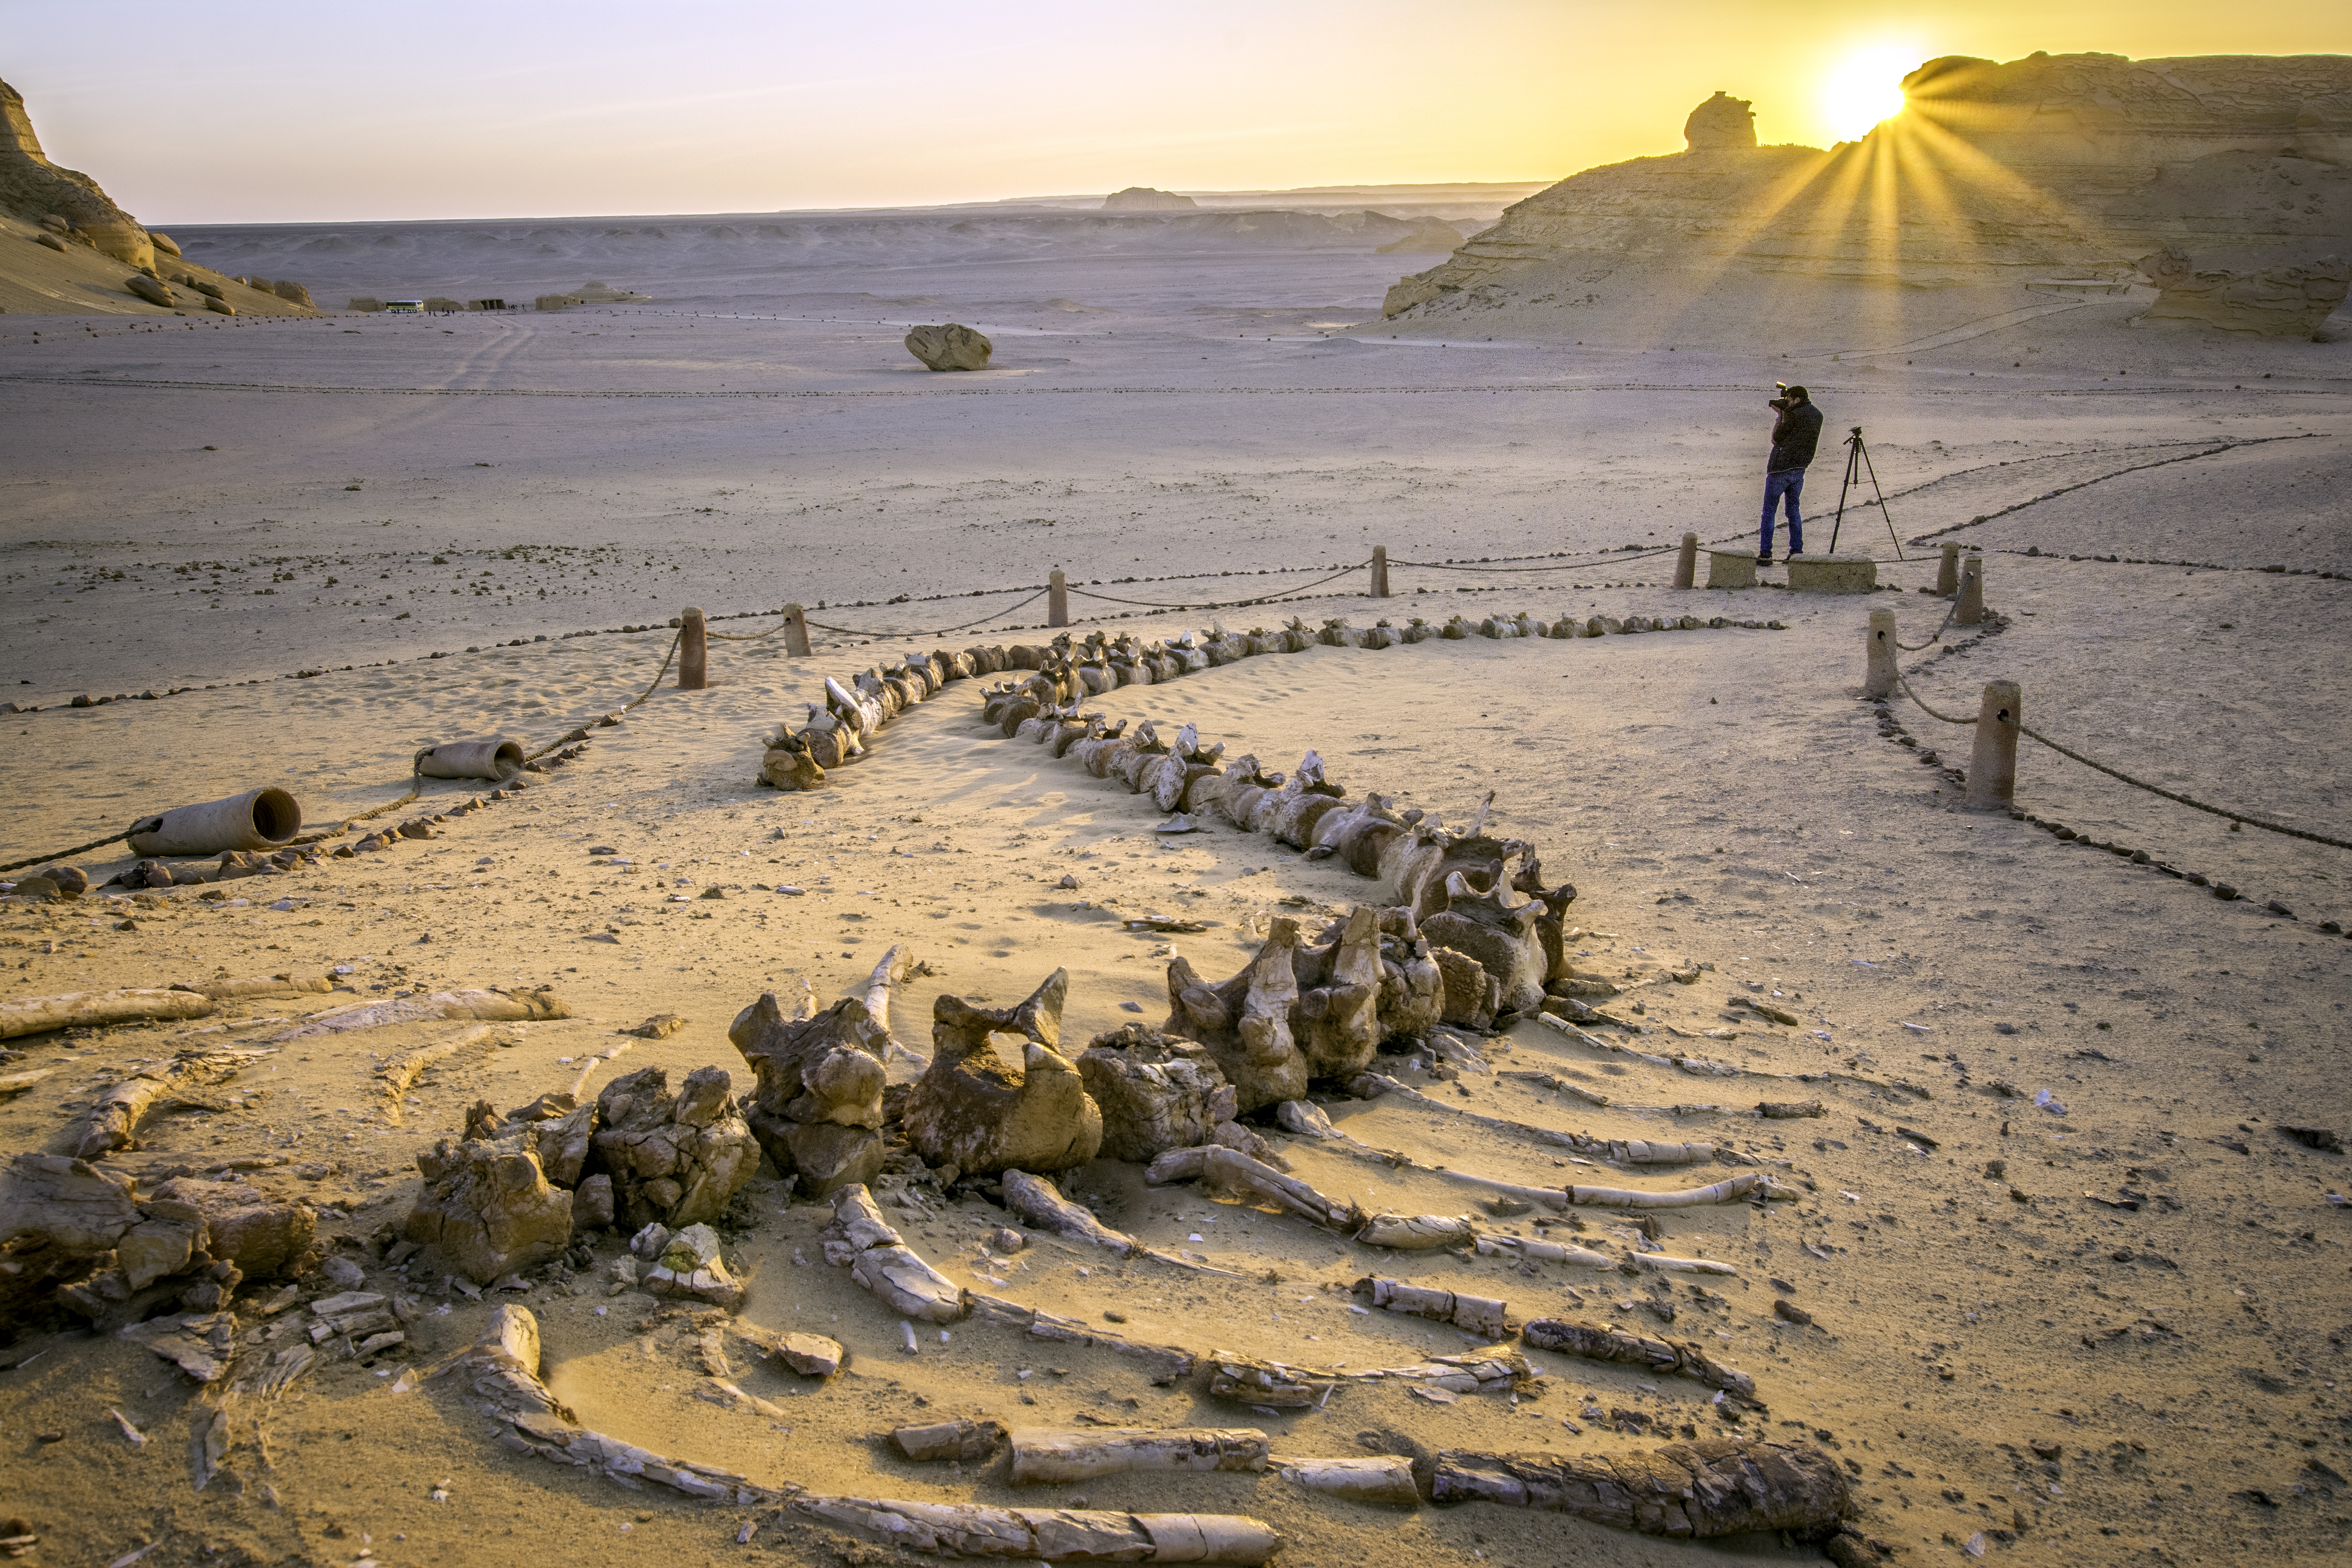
1794, 435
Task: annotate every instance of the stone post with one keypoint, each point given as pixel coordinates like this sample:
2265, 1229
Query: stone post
693, 651
1993, 768
1948, 571
796, 630
1057, 599
1380, 571
1879, 672
1971, 611
1686, 563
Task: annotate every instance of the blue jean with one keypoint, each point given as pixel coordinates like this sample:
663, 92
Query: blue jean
1790, 482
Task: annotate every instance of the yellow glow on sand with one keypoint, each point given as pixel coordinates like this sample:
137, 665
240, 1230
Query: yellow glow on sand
1865, 88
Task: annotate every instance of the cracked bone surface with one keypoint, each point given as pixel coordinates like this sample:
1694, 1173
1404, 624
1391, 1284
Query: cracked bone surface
975, 1110
488, 1208
1058, 1535
879, 1259
113, 1122
1045, 1454
1692, 1490
1156, 1092
1229, 1168
675, 1159
1163, 1365
816, 1107
1593, 1342
1388, 1480
1473, 1314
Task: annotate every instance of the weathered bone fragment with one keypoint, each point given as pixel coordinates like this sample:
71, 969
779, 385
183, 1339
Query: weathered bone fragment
1729, 1190
201, 1344
23, 1015
396, 1077
1036, 1200
1305, 1118
1689, 1490
113, 1122
1473, 1314
1594, 1343
817, 1106
264, 1237
672, 1159
1235, 1171
1339, 1026
1417, 1233
1385, 1479
969, 1441
490, 1007
686, 1263
1162, 1365
1624, 1151
1788, 1110
1541, 1251
1247, 1380
1156, 1092
881, 1262
1058, 1535
488, 1208
1246, 1022
1041, 1455
1670, 1264
261, 985
1557, 1084
810, 1355
972, 1110
1500, 934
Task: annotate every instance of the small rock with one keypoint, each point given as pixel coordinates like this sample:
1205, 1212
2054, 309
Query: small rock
1005, 1238
2320, 1138
660, 1027
343, 1273
810, 1355
950, 347
1068, 881
1788, 1312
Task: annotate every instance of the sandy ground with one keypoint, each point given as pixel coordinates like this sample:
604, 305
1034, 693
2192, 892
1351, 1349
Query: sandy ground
1720, 796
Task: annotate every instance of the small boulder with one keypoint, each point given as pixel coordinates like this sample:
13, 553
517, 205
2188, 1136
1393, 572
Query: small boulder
689, 1267
950, 347
142, 287
810, 1355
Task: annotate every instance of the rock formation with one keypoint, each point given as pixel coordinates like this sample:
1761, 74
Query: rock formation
1145, 199
2276, 301
951, 347
34, 188
1429, 235
1994, 176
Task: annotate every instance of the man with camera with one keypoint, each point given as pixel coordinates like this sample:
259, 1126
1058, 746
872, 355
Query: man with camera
1796, 431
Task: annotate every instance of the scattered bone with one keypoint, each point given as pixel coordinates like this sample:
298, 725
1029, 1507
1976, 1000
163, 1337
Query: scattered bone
719, 1391
1058, 1535
1305, 1118
896, 967
398, 1077
492, 1006
1673, 1265
15, 1083
488, 1208
968, 1441
262, 986
1729, 1190
1382, 1480
201, 1344
660, 1027
113, 1122
1558, 1085
1594, 1343
686, 1264
881, 1262
1041, 1455
810, 1355
1689, 1490
1162, 1364
94, 1009
1247, 1380
208, 1440
1417, 1233
1788, 1109
1036, 1200
1473, 1314
1492, 1246
971, 1111
1235, 1171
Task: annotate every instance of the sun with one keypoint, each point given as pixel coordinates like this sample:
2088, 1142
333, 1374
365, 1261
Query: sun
1865, 88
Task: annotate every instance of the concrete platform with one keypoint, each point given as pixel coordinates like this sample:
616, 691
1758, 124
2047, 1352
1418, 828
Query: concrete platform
1833, 573
1731, 569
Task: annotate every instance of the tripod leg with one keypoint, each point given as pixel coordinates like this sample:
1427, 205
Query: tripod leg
1882, 500
1839, 522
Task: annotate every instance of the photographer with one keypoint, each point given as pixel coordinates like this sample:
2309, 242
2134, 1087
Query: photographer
1795, 433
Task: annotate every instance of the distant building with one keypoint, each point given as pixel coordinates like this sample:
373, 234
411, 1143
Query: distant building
486, 304
414, 307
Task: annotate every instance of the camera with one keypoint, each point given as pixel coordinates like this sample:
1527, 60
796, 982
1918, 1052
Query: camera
1784, 401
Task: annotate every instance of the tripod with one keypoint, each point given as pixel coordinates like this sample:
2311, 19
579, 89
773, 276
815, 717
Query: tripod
1857, 464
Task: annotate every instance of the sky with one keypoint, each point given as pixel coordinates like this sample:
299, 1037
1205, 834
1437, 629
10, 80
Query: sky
267, 111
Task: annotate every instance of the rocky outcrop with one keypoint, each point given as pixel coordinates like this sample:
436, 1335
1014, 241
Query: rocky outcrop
1994, 177
1429, 235
2273, 302
1145, 199
34, 188
951, 347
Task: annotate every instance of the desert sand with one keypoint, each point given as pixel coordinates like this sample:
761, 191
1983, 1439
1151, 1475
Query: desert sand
2104, 1327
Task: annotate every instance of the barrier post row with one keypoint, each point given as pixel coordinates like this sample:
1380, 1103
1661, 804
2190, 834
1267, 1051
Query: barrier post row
1948, 571
693, 651
1686, 563
1971, 609
1992, 767
1057, 599
795, 630
1380, 571
1878, 673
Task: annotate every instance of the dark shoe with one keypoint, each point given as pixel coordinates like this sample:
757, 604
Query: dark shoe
1763, 561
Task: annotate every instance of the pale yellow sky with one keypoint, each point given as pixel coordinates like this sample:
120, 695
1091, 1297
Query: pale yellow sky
271, 110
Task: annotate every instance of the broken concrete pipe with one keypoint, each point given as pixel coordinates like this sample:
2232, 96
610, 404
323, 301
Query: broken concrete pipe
493, 758
261, 819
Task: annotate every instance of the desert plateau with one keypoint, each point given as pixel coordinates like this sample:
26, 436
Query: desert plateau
1152, 875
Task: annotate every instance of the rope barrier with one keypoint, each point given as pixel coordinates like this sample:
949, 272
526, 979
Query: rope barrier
1598, 557
1915, 696
62, 854
1230, 604
2181, 799
941, 631
1938, 636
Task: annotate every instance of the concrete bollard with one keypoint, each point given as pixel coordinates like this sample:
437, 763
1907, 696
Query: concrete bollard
258, 819
1993, 768
1878, 673
1057, 599
693, 651
796, 630
1948, 571
1686, 563
1971, 608
1380, 571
